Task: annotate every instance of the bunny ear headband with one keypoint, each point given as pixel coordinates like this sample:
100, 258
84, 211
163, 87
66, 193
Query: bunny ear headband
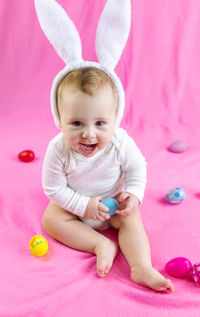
111, 36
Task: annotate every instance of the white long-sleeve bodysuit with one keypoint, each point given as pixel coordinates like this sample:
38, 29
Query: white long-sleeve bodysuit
70, 179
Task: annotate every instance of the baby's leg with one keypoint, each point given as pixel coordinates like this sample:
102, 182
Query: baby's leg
68, 229
134, 244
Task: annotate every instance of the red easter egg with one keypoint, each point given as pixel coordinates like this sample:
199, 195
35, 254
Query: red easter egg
26, 156
178, 267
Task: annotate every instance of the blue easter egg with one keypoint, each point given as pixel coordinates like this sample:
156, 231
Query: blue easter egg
175, 196
112, 204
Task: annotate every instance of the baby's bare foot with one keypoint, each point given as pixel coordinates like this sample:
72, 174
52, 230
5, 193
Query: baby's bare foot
106, 251
148, 276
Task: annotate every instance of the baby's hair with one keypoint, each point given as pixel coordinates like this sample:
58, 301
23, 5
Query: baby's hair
86, 79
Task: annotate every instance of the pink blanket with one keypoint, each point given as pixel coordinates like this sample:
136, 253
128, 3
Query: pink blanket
160, 71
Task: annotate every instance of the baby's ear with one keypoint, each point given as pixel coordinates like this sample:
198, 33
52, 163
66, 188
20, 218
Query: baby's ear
112, 31
60, 30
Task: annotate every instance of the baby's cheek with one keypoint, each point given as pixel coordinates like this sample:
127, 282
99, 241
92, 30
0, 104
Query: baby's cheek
101, 144
104, 140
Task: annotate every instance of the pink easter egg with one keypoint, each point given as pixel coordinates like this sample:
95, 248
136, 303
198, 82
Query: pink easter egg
196, 273
177, 146
178, 267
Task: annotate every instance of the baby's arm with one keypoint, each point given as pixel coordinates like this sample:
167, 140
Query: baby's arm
133, 165
54, 180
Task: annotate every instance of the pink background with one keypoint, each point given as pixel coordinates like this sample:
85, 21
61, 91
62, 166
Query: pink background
160, 71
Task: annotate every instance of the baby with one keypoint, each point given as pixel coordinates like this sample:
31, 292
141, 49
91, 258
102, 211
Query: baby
89, 160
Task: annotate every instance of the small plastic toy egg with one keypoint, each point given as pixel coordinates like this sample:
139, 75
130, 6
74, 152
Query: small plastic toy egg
112, 204
177, 146
175, 196
196, 273
178, 267
38, 245
26, 156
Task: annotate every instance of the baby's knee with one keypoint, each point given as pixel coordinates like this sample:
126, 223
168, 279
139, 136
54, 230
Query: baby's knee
133, 217
47, 221
129, 220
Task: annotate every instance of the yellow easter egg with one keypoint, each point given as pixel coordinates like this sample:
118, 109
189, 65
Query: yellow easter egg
38, 245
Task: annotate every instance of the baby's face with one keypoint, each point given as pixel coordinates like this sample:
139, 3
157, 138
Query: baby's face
87, 122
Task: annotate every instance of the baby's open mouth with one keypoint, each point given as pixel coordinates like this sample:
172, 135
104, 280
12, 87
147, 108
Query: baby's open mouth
88, 148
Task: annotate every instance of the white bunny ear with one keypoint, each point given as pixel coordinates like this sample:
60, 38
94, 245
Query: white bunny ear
60, 30
112, 31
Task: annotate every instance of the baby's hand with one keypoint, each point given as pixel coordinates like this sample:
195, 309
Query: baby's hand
96, 210
127, 203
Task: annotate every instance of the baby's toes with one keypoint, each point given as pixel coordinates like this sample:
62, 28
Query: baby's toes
169, 286
103, 268
166, 286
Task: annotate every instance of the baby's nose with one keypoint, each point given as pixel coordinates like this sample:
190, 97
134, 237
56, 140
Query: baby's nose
89, 132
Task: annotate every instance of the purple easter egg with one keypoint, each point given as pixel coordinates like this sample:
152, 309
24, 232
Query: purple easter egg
177, 146
178, 267
196, 273
175, 196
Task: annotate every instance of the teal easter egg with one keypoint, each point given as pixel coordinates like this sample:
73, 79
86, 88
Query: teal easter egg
112, 204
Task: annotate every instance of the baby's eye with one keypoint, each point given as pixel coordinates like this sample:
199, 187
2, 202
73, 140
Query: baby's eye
77, 123
100, 123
